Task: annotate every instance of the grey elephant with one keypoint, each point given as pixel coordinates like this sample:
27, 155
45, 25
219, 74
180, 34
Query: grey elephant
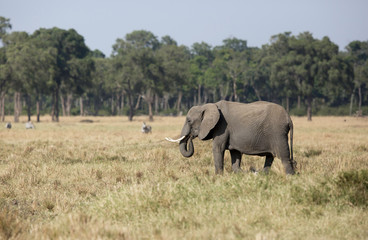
260, 128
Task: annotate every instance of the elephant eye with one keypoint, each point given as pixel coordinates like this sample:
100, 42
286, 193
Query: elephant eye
189, 121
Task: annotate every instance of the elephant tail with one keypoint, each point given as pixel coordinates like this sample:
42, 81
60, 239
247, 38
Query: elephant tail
291, 127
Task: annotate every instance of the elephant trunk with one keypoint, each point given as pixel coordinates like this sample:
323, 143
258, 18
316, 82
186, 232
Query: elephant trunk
186, 149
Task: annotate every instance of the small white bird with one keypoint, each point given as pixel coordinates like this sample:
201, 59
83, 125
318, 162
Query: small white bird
29, 125
146, 128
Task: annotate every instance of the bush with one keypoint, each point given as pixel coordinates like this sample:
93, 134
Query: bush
347, 188
352, 186
300, 112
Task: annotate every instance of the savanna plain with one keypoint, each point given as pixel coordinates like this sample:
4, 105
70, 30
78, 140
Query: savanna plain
107, 180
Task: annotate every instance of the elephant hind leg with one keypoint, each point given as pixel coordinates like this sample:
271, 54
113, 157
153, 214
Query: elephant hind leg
235, 160
268, 163
284, 155
287, 162
288, 165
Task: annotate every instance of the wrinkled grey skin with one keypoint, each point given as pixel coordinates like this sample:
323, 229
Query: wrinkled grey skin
259, 128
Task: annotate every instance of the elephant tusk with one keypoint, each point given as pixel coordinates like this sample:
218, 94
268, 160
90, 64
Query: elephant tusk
174, 140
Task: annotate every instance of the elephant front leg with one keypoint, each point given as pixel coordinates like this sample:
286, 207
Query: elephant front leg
218, 157
235, 160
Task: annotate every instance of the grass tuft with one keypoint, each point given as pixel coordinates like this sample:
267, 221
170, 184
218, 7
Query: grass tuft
312, 152
10, 226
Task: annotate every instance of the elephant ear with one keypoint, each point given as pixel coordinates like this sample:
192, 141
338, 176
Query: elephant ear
211, 115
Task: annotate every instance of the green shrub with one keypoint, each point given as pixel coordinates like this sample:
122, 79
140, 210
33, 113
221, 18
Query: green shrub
349, 188
312, 152
300, 112
352, 186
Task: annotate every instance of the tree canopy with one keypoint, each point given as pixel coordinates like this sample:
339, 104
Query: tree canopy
53, 68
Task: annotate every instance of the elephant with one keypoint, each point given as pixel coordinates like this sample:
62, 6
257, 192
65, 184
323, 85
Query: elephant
259, 128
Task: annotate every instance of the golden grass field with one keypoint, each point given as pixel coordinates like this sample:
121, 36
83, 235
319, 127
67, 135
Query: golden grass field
107, 180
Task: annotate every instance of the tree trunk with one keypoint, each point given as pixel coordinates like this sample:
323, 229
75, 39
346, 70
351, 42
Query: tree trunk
287, 104
180, 96
214, 95
122, 104
131, 108
69, 98
53, 107
351, 103
2, 104
166, 101
257, 94
235, 96
149, 99
117, 104
150, 113
156, 104
112, 105
309, 108
57, 106
299, 101
138, 102
199, 94
55, 115
62, 99
38, 110
17, 106
130, 101
28, 100
81, 106
360, 97
205, 96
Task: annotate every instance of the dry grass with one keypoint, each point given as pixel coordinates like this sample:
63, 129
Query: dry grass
106, 180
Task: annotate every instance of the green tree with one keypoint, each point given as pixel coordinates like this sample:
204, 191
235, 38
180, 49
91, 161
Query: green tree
175, 63
16, 48
312, 61
125, 74
4, 26
30, 66
282, 76
358, 53
79, 81
216, 76
102, 86
202, 57
340, 82
4, 69
144, 45
257, 74
238, 45
68, 45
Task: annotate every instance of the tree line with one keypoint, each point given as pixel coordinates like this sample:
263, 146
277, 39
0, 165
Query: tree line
53, 71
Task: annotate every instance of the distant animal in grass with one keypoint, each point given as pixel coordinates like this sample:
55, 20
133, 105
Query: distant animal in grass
146, 128
29, 125
8, 125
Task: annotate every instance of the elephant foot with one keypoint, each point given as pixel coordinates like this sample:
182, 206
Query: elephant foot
253, 170
238, 170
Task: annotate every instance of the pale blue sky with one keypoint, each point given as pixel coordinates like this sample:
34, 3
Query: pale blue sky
190, 21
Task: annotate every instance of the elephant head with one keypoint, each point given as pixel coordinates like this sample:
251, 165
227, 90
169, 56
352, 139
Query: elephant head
199, 122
